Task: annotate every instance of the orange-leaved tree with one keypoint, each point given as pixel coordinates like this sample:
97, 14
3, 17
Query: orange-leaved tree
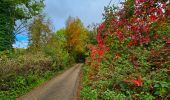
76, 36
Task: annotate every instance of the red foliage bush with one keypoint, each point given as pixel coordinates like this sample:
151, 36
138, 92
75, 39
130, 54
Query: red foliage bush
134, 39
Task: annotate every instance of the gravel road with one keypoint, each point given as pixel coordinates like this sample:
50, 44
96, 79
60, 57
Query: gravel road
61, 87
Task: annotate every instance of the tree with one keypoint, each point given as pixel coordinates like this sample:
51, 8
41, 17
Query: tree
60, 36
39, 32
76, 36
10, 12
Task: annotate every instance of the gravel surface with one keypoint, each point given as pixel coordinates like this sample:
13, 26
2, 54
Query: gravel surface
61, 87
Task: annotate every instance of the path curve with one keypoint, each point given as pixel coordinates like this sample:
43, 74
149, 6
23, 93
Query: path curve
62, 87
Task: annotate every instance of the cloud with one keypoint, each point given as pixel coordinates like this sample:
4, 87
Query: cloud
89, 11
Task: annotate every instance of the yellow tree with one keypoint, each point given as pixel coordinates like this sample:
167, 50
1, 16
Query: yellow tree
76, 36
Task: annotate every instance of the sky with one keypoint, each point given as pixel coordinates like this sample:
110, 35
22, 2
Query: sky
89, 11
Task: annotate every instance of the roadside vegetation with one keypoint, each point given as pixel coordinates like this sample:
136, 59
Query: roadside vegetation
47, 53
127, 56
131, 60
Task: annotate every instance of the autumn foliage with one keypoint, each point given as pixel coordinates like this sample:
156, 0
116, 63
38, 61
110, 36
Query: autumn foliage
76, 36
133, 50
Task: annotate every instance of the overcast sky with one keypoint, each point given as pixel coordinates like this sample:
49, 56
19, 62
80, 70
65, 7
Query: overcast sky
89, 11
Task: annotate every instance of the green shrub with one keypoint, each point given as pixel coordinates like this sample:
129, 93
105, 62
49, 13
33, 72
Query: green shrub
19, 73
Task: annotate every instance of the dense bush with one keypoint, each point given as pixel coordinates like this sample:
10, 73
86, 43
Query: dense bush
24, 63
132, 57
18, 74
21, 71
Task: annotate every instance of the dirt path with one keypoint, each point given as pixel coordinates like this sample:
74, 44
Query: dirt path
62, 87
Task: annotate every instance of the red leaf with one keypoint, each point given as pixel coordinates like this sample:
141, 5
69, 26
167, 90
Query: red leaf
168, 12
137, 82
119, 35
153, 17
168, 41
